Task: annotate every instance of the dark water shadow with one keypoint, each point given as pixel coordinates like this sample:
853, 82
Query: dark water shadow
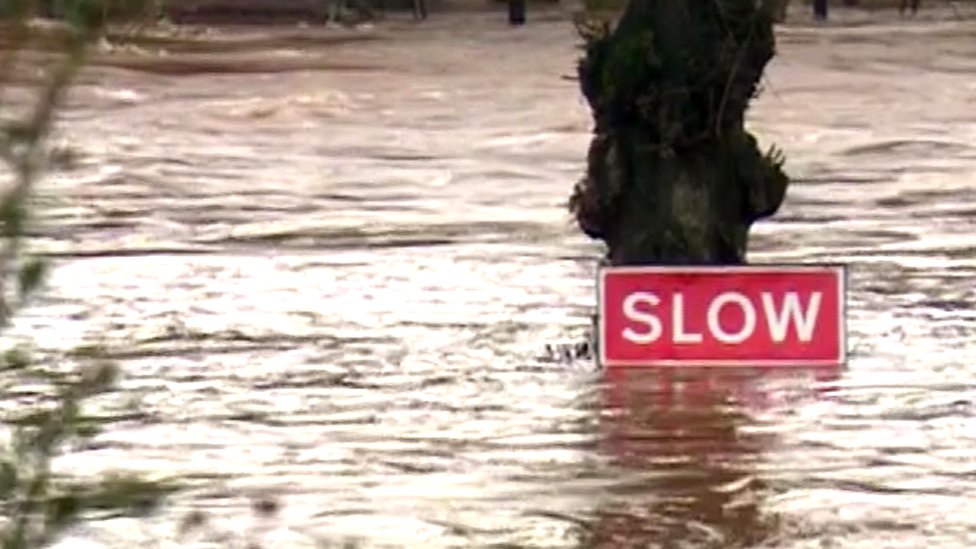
690, 443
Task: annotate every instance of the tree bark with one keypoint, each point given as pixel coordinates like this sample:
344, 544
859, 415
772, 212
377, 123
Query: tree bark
672, 174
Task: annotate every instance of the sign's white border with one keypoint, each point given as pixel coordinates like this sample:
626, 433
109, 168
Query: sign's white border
840, 270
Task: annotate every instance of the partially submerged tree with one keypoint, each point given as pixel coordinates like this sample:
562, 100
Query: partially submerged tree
673, 176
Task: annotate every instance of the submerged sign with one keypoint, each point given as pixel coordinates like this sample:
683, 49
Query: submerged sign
734, 316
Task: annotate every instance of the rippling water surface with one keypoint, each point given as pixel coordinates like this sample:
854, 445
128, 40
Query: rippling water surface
331, 268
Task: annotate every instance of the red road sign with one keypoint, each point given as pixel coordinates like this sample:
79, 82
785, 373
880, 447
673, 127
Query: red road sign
722, 316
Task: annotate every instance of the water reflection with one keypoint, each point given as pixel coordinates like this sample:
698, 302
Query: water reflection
689, 437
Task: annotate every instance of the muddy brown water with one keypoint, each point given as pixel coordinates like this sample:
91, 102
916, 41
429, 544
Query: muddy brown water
335, 288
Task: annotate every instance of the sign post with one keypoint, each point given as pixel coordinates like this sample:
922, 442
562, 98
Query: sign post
722, 316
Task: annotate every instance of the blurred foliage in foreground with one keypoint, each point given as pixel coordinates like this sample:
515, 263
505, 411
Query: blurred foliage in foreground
42, 402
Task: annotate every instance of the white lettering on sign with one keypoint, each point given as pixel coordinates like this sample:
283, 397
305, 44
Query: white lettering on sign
631, 311
791, 308
778, 320
678, 321
748, 323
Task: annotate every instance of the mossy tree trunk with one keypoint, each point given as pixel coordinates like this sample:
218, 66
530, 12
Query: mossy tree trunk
673, 176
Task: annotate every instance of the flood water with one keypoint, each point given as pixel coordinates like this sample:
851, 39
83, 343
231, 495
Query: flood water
330, 272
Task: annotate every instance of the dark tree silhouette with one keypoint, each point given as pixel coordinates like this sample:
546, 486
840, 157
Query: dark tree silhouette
820, 9
516, 12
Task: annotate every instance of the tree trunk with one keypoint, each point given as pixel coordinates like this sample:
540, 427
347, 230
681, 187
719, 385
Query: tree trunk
516, 12
820, 10
672, 175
